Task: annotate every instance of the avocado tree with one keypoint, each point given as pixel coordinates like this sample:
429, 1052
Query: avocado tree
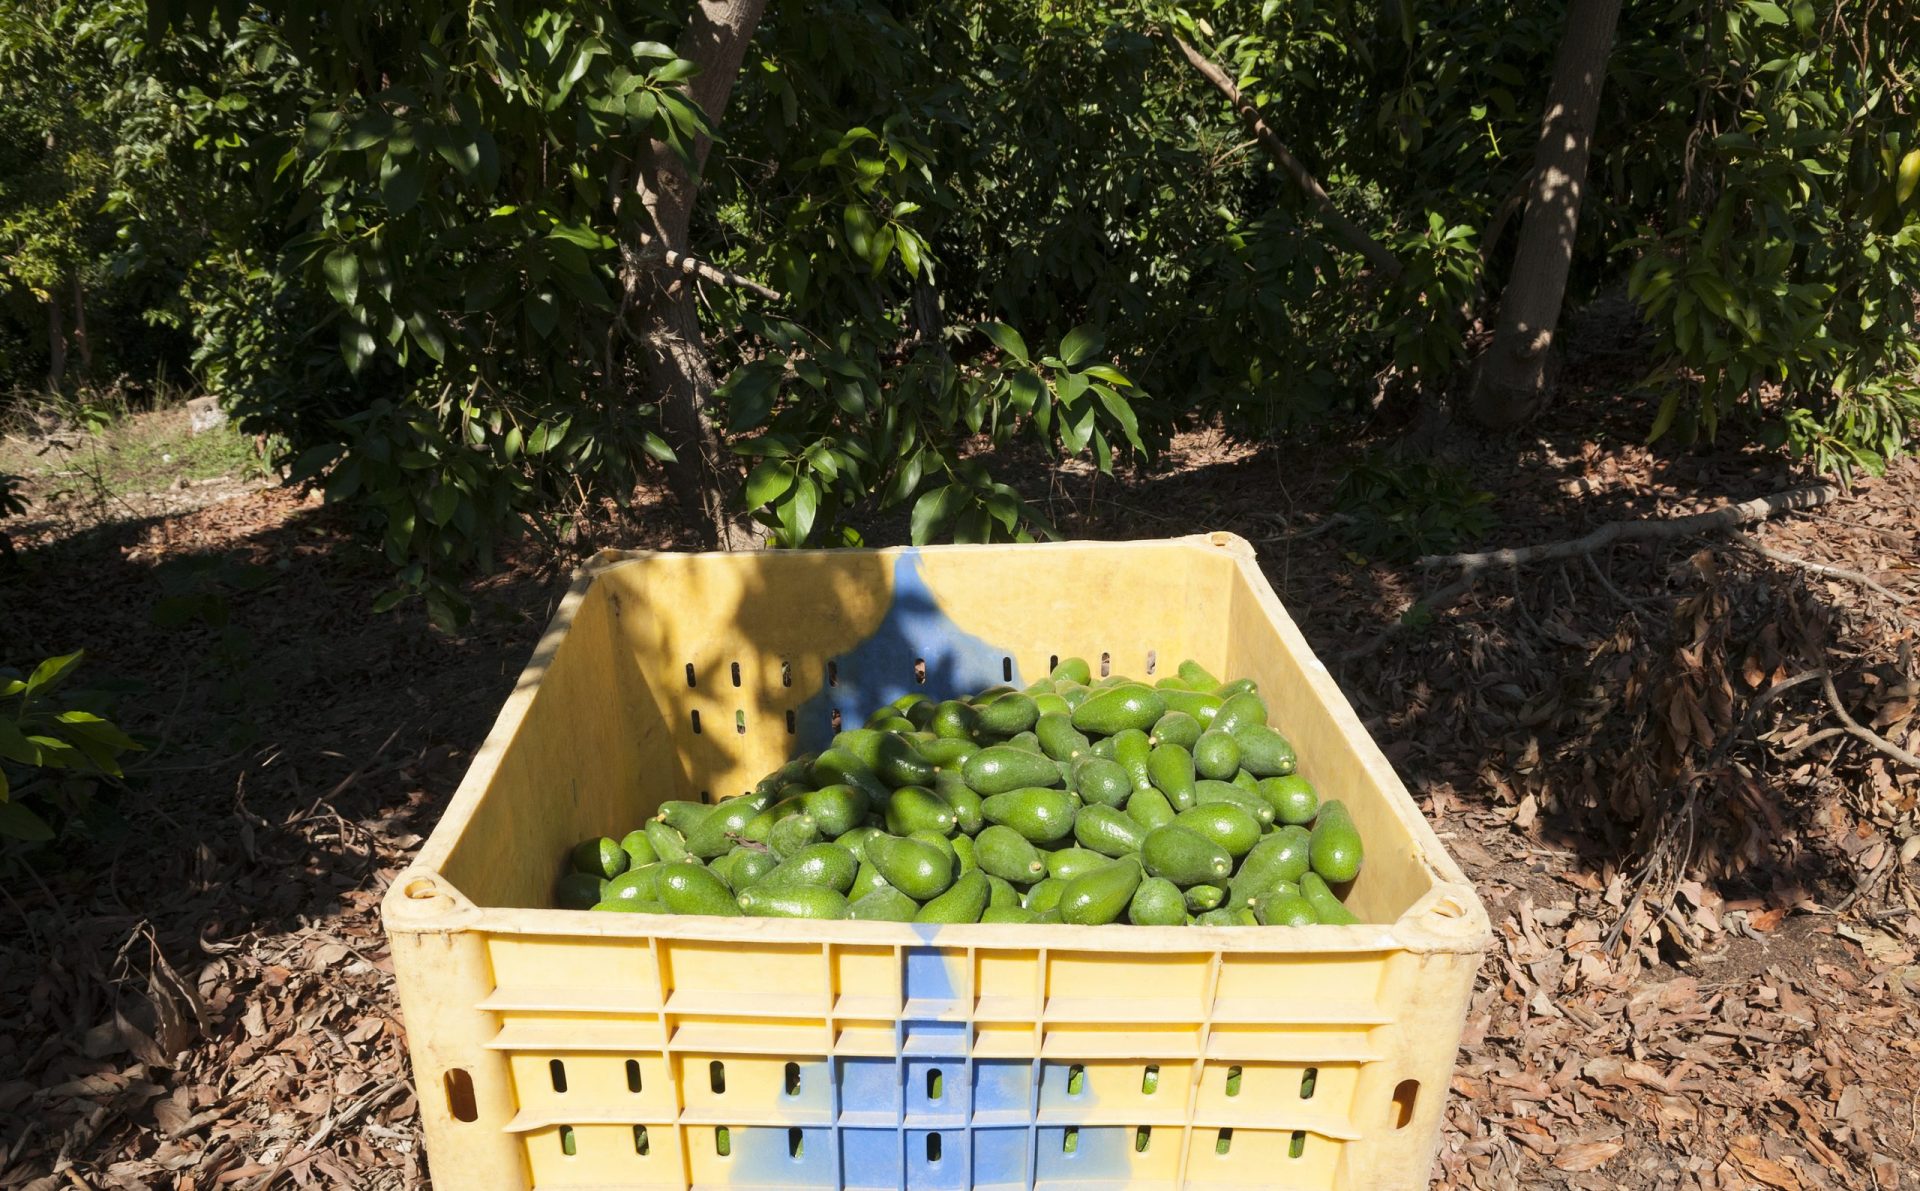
512, 222
481, 268
1512, 381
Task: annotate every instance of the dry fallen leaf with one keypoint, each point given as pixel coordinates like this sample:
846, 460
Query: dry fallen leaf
1587, 1155
1745, 1153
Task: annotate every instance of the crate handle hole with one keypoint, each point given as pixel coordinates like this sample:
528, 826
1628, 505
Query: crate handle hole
717, 1076
1142, 1138
796, 1143
1153, 659
642, 1145
1223, 1141
706, 796
1150, 1080
1076, 1079
690, 679
567, 1144
786, 672
740, 721
557, 1072
1070, 1140
696, 723
736, 673
1233, 1081
1403, 1097
722, 1141
1106, 664
793, 1079
833, 673
789, 721
1006, 669
935, 1084
1298, 1144
1448, 907
633, 1075
933, 1149
460, 1101
1308, 1079
920, 671
834, 719
1053, 662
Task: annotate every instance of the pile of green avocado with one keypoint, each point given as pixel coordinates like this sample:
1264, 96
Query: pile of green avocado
1076, 800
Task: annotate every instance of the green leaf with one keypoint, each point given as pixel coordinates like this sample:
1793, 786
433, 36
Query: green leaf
1081, 344
1663, 421
1025, 389
85, 723
657, 447
905, 480
1122, 413
767, 482
1767, 12
676, 70
390, 600
1006, 339
52, 672
16, 747
1074, 433
314, 460
804, 507
441, 503
749, 394
17, 822
934, 509
543, 312
401, 180
342, 268
860, 228
358, 345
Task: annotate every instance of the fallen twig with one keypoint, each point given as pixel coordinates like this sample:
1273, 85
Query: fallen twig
1855, 729
1820, 568
1473, 565
1725, 517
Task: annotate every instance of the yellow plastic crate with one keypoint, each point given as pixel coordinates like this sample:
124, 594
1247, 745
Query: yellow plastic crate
557, 1049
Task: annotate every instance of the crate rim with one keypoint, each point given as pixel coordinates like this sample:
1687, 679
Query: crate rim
1450, 918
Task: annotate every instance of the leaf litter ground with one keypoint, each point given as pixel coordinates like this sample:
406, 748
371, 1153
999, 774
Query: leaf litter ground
1704, 973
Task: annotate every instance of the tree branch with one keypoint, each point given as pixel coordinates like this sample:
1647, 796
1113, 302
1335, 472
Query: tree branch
1356, 236
1854, 728
695, 267
1820, 568
1725, 517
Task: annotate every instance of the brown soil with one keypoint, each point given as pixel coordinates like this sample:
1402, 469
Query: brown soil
201, 997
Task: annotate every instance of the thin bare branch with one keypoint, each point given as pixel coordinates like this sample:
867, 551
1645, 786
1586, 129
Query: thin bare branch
1820, 568
1356, 236
1856, 729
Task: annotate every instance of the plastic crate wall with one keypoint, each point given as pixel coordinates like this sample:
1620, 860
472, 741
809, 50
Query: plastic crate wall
564, 1049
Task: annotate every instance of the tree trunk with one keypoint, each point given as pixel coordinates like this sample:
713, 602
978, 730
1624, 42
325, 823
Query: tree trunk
80, 339
664, 319
1512, 386
56, 345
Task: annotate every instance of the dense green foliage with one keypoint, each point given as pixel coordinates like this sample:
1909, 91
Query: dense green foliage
55, 748
403, 239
